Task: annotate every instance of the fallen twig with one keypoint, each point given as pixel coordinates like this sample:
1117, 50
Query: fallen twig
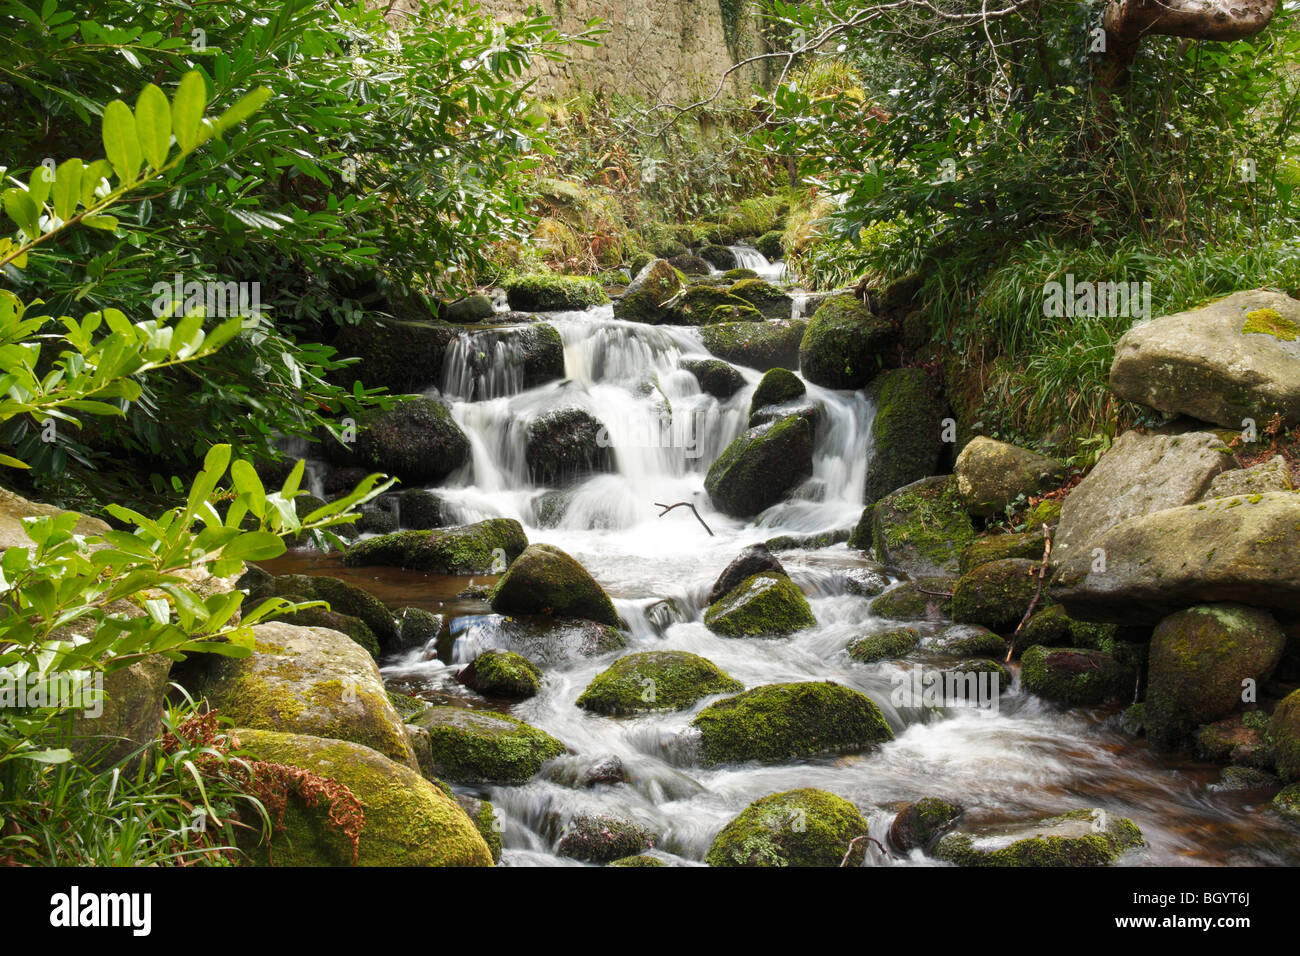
1038, 593
684, 504
849, 852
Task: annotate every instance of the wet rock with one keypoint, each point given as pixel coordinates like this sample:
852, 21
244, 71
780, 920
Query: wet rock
1284, 729
769, 244
1074, 676
795, 828
884, 645
1078, 838
845, 344
720, 257
409, 821
865, 582
542, 351
924, 599
641, 859
716, 377
1241, 739
421, 510
770, 301
755, 559
602, 838
485, 821
919, 825
764, 605
545, 580
995, 595
480, 548
998, 547
655, 680
502, 674
992, 474
607, 770
308, 680
963, 682
756, 345
376, 522
644, 300
1271, 475
970, 640
1199, 659
778, 387
566, 446
416, 627
808, 542
1052, 627
547, 641
689, 265
923, 527
761, 467
416, 441
476, 746
1139, 475
1244, 778
545, 292
1236, 358
707, 304
1287, 803
782, 722
907, 433
1239, 549
401, 356
472, 308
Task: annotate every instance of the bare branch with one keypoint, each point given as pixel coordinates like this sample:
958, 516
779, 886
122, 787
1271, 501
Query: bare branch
684, 504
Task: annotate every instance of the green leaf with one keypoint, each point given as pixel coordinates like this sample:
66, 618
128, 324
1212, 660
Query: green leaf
187, 110
254, 546
107, 223
153, 121
121, 141
67, 188
247, 105
20, 208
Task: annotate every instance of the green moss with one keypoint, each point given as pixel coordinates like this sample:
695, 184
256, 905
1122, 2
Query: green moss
1090, 844
919, 825
1284, 730
736, 275
656, 680
906, 432
996, 595
971, 640
769, 244
1287, 802
645, 299
484, 817
481, 747
546, 292
503, 674
884, 645
761, 466
1046, 512
545, 580
764, 604
916, 600
1073, 676
641, 859
1270, 322
996, 547
780, 722
778, 387
923, 525
795, 828
844, 344
860, 539
471, 549
405, 705
758, 345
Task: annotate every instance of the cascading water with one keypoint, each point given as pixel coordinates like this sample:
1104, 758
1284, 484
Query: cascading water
747, 257
1022, 762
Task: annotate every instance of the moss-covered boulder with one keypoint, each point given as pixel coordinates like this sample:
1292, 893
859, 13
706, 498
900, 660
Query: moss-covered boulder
795, 828
769, 244
998, 547
421, 510
919, 825
479, 746
502, 674
770, 301
655, 680
415, 440
602, 838
764, 605
643, 300
485, 820
307, 680
345, 600
922, 528
923, 599
756, 559
1284, 729
1078, 838
472, 308
992, 474
641, 859
884, 645
720, 257
1287, 803
544, 292
907, 432
715, 376
995, 595
416, 627
845, 344
778, 387
969, 640
756, 345
1074, 676
409, 822
480, 548
402, 356
761, 467
781, 722
1242, 739
1046, 512
706, 304
689, 265
1199, 659
861, 536
1053, 627
545, 640
565, 446
545, 580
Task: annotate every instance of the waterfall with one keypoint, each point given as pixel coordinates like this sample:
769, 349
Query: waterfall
747, 257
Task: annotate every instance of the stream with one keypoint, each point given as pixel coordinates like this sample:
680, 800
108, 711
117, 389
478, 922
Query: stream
1025, 761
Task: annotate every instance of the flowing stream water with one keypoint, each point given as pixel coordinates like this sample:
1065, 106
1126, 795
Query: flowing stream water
1025, 761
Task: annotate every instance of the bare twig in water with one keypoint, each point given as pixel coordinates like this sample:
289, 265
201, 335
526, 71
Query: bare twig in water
946, 594
1038, 593
684, 504
853, 842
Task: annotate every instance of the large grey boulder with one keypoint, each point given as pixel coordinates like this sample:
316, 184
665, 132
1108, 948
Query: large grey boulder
1139, 475
1271, 475
1233, 359
992, 474
1241, 549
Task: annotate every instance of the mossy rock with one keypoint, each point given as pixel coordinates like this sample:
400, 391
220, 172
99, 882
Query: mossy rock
131, 714
477, 746
480, 548
641, 859
706, 304
907, 432
352, 627
1244, 778
544, 292
1241, 739
795, 828
720, 257
602, 838
1199, 659
1046, 512
861, 537
756, 559
401, 356
715, 377
655, 680
416, 440
502, 674
485, 821
472, 308
997, 594
756, 345
409, 821
772, 302
997, 547
782, 722
654, 285
689, 265
970, 640
778, 387
1075, 676
1287, 803
735, 275
565, 446
845, 344
1078, 838
919, 825
1285, 732
769, 244
761, 467
916, 329
308, 680
551, 641
406, 705
421, 510
993, 474
922, 528
885, 645
763, 605
545, 580
962, 680
416, 627
919, 600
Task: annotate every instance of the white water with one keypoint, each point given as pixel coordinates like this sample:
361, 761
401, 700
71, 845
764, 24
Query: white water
1023, 763
747, 257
